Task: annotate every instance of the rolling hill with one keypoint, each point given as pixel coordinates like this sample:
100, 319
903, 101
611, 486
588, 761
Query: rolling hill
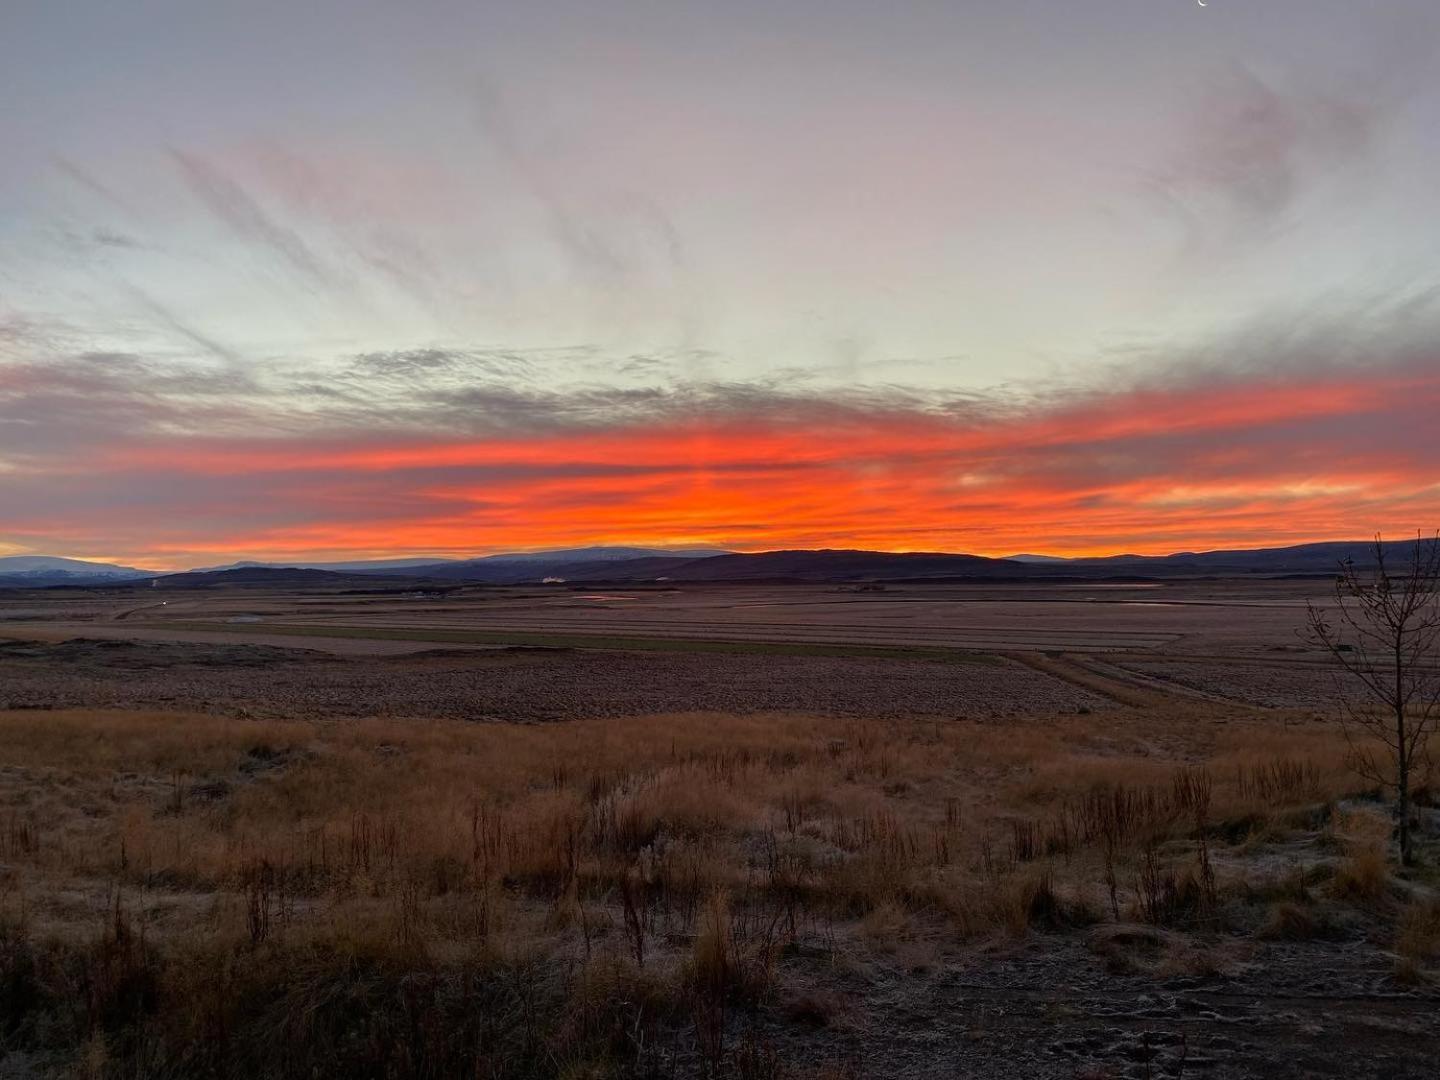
856, 566
276, 577
42, 571
1321, 558
360, 566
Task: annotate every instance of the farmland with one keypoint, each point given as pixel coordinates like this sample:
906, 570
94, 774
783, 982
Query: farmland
1227, 641
750, 832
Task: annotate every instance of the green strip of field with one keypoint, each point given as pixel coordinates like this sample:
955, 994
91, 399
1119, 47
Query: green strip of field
590, 641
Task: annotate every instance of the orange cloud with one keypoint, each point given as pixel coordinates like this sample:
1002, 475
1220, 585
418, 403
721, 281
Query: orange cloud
1148, 470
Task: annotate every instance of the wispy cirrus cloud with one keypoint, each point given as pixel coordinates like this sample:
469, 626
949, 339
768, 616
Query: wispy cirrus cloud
1256, 145
230, 202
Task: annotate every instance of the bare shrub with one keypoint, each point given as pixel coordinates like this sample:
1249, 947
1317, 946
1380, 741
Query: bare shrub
635, 904
1168, 896
1386, 637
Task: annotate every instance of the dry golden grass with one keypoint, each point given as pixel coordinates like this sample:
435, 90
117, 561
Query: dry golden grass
614, 875
1364, 873
858, 815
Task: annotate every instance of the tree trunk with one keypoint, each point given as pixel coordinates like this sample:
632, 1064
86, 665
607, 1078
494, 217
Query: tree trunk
1402, 789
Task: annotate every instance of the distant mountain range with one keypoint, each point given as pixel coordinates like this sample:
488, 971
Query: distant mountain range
290, 577
621, 565
603, 554
861, 566
1322, 558
363, 566
41, 571
555, 555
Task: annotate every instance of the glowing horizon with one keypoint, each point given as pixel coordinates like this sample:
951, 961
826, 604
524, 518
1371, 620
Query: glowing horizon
1079, 478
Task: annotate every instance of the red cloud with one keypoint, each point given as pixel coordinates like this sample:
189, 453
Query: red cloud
1145, 470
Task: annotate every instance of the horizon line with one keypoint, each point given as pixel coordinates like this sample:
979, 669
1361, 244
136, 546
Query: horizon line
678, 552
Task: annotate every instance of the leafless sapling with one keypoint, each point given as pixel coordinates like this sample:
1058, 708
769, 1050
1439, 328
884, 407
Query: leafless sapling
1384, 631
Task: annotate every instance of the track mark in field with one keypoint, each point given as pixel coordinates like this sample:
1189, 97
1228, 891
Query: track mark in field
1159, 684
1122, 691
608, 642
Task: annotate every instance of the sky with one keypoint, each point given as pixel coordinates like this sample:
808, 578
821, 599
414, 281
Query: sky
355, 279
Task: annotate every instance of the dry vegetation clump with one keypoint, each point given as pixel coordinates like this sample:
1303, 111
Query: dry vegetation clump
1363, 875
1291, 921
198, 896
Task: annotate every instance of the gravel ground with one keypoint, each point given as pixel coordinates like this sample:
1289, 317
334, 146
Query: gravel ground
512, 684
1055, 1008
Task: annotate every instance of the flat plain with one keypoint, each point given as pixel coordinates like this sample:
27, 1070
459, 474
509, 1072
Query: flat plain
1100, 830
1231, 641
